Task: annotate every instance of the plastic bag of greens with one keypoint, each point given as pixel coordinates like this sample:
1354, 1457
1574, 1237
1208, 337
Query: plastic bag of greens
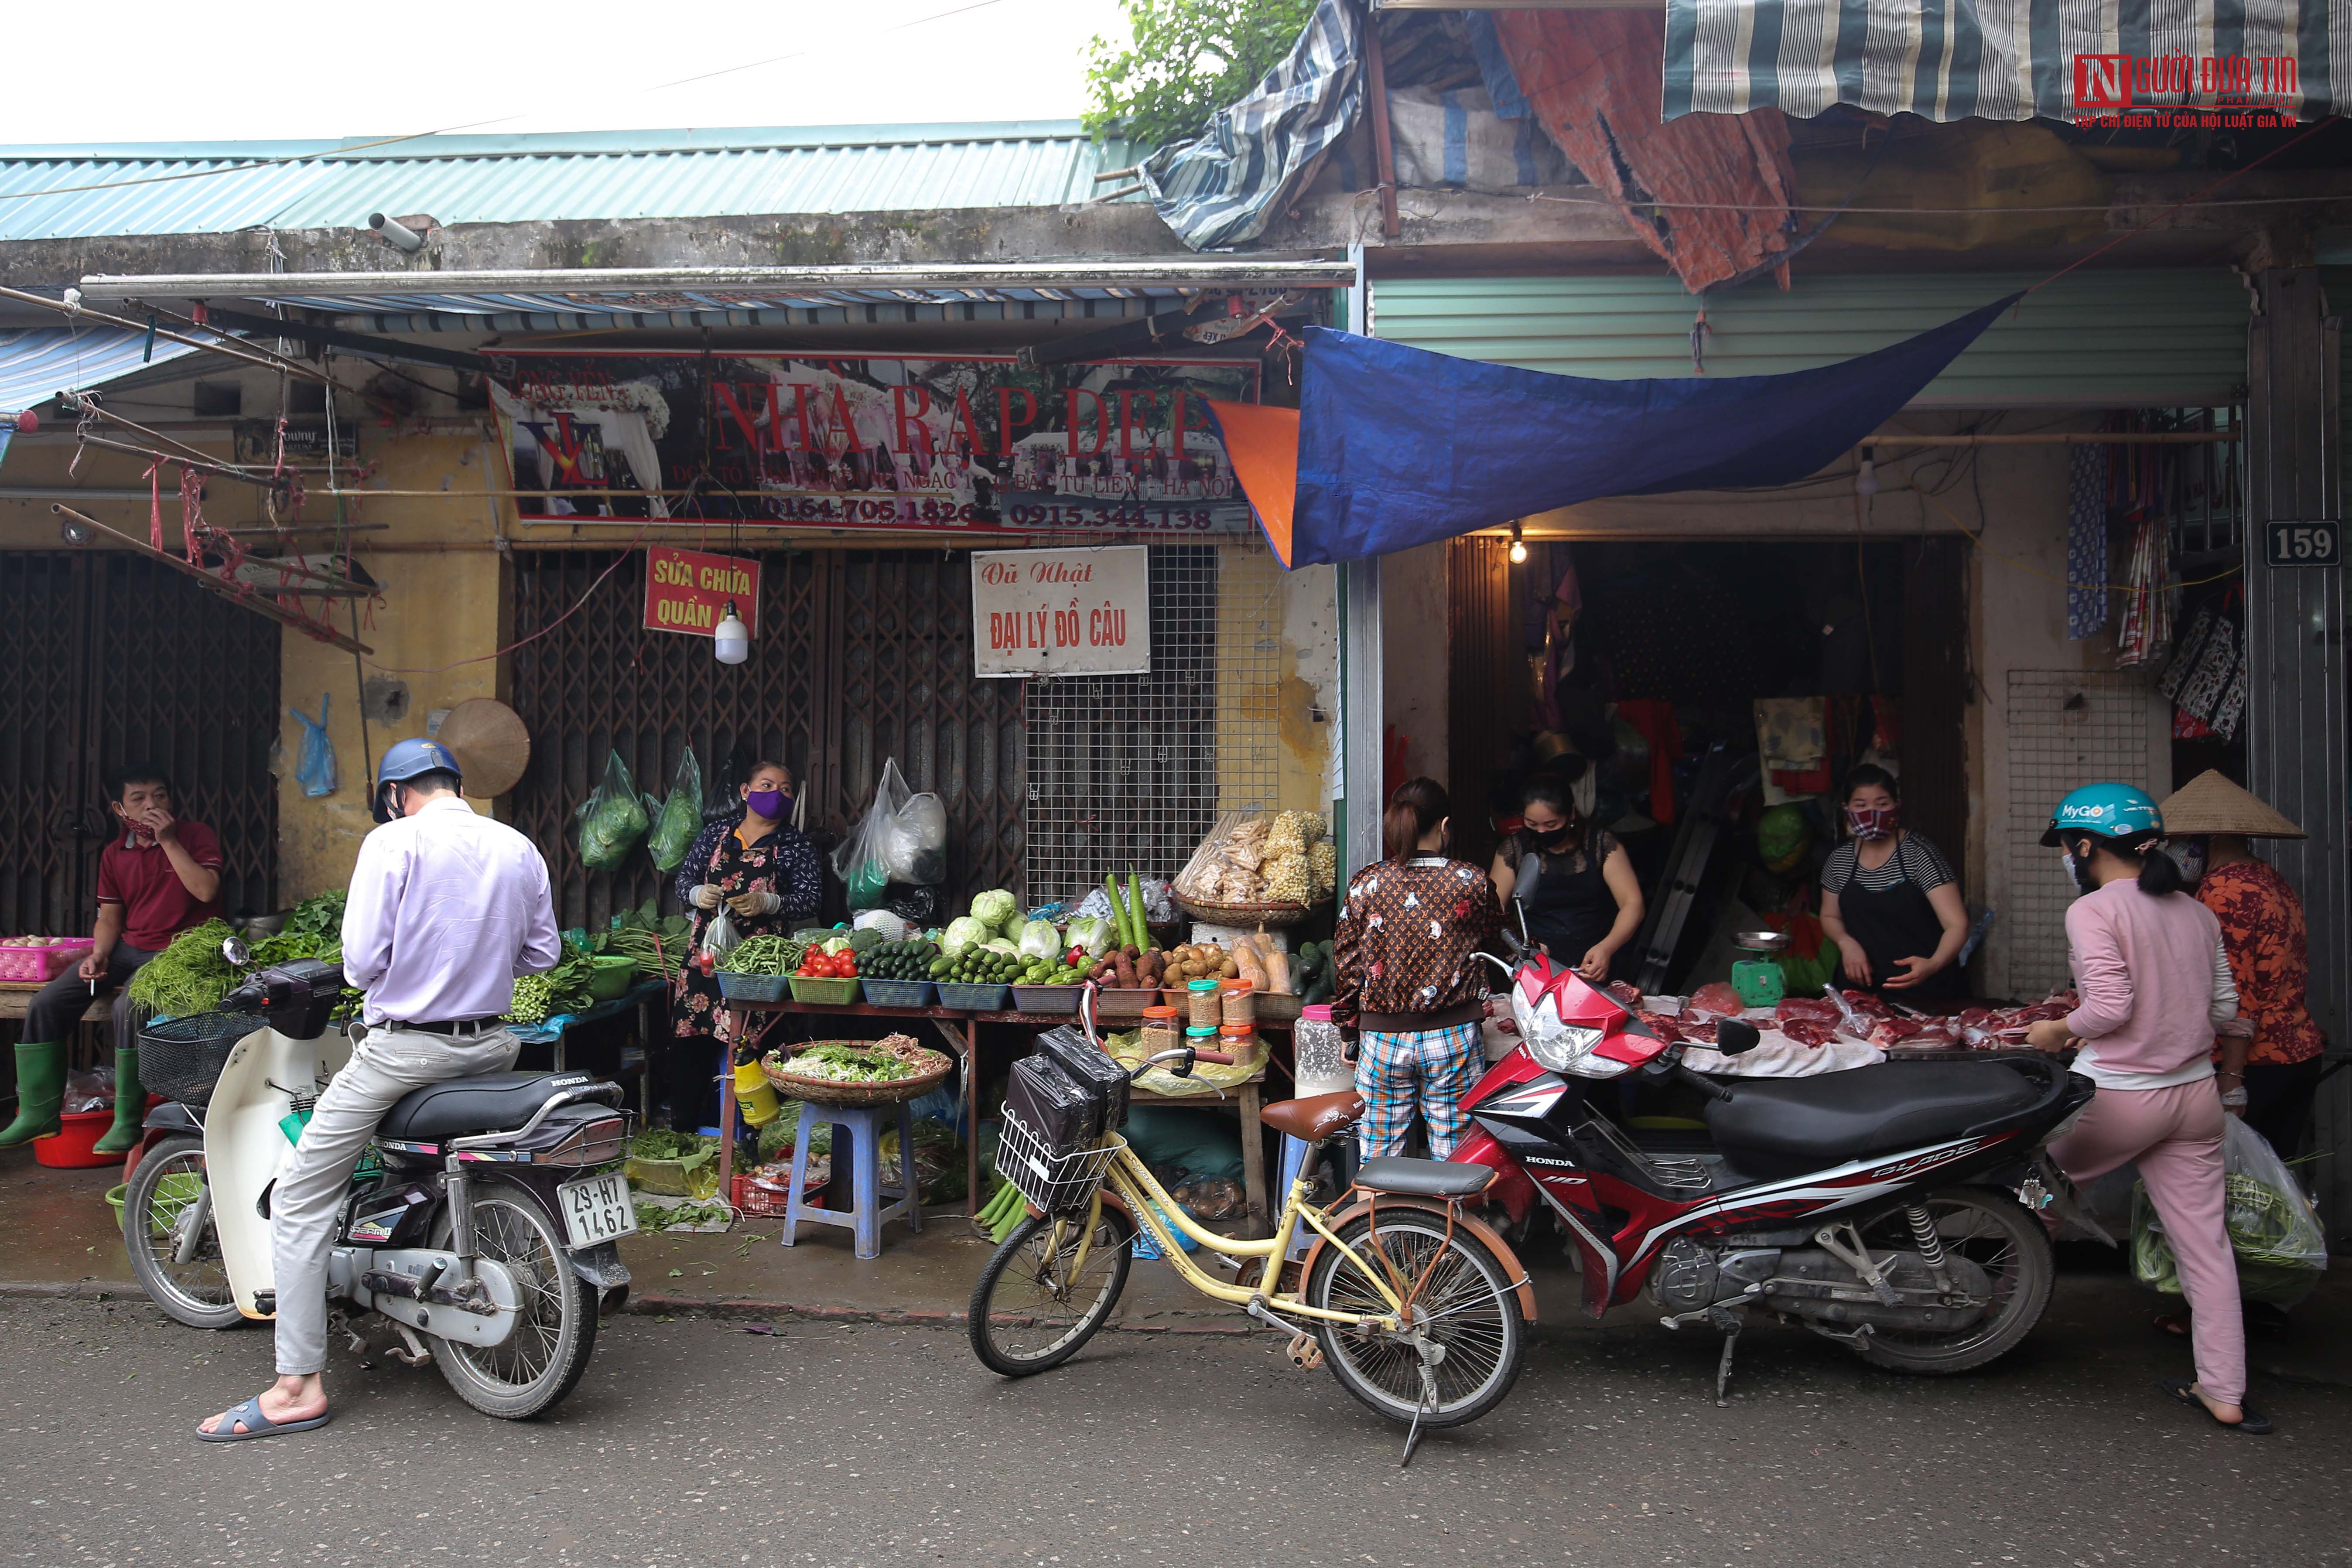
861, 862
2280, 1250
611, 819
680, 816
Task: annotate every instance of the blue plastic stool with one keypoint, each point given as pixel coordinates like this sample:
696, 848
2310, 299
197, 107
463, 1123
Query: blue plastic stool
864, 1126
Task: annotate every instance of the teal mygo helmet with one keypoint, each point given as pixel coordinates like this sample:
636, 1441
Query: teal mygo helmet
2109, 810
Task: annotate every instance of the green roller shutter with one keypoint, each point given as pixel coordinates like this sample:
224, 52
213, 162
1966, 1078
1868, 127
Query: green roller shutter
2172, 337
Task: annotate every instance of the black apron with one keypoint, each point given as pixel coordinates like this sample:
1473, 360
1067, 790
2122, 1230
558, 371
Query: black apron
1571, 909
1897, 922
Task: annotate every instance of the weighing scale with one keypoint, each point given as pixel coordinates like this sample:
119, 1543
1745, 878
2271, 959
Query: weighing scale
1758, 977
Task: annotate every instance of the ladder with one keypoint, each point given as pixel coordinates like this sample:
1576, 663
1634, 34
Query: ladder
1703, 822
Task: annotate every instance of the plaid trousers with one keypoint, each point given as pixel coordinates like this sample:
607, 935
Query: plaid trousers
1428, 1071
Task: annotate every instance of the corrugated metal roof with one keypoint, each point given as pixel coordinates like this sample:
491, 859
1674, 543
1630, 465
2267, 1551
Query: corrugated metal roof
103, 191
39, 363
2100, 340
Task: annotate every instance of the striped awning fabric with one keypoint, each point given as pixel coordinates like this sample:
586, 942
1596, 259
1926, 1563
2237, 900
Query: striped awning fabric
1221, 188
2008, 59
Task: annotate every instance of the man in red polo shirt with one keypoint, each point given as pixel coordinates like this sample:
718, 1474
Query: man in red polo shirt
161, 876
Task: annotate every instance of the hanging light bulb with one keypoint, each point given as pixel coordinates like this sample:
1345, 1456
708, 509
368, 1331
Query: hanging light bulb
1518, 547
1865, 477
730, 639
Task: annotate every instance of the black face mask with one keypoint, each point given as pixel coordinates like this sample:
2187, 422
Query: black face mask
1558, 837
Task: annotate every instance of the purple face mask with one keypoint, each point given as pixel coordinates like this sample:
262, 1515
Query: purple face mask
771, 804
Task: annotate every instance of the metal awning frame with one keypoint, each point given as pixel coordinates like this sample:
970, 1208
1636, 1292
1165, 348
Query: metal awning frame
722, 289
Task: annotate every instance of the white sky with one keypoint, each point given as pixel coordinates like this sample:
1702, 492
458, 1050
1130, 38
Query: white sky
284, 71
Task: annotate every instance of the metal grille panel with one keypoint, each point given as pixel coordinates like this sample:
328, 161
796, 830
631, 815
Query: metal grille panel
598, 683
860, 656
907, 690
1130, 770
2066, 729
44, 785
114, 659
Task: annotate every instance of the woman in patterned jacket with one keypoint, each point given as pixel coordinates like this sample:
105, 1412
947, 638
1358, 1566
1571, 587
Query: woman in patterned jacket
765, 872
1408, 993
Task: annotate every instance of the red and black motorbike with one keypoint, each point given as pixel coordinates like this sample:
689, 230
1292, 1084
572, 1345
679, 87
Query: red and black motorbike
1890, 1207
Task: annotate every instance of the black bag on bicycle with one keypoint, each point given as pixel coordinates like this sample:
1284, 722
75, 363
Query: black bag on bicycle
1062, 1116
1103, 1080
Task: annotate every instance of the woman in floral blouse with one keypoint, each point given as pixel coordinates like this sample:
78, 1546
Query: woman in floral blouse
2210, 821
765, 872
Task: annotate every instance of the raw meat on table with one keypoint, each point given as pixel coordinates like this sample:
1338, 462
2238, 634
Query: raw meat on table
1717, 1000
1866, 1004
1624, 995
1808, 1031
1668, 1030
1807, 1009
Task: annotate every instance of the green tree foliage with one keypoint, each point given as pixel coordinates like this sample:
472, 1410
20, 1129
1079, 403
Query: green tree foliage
1189, 58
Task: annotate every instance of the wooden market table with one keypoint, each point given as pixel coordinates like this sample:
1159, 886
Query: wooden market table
16, 1000
960, 1031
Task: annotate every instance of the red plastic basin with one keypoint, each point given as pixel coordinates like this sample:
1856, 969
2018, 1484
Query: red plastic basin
70, 1148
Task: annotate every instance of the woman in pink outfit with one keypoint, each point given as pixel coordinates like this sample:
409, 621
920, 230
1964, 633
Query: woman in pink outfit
2155, 983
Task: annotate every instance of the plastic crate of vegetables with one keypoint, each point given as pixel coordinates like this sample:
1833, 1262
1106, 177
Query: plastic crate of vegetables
752, 988
827, 979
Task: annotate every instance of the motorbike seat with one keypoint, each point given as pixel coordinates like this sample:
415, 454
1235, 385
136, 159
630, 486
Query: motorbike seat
1315, 1118
1772, 1127
1422, 1178
486, 1102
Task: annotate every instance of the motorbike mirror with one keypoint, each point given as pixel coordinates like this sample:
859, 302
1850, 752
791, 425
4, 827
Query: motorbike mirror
1734, 1035
234, 952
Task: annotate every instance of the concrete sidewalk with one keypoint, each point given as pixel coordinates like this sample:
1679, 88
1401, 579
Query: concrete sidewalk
62, 1241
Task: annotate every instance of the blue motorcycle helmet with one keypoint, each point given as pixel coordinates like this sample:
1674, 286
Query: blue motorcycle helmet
2109, 810
405, 759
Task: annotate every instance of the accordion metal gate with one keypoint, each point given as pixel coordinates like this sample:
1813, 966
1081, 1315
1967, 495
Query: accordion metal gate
862, 655
114, 659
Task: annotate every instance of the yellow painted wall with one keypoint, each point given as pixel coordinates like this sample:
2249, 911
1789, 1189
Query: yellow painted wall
436, 608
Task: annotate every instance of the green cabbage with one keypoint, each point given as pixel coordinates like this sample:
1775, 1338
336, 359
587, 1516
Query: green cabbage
1091, 933
963, 932
1038, 938
995, 908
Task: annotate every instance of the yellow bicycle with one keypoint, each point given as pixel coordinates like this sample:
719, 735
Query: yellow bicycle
1418, 1308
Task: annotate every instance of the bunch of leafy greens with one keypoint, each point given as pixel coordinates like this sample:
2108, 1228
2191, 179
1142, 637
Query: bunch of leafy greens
1188, 60
191, 976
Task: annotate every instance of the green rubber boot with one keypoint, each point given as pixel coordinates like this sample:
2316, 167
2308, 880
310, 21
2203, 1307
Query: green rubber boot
40, 1090
129, 1106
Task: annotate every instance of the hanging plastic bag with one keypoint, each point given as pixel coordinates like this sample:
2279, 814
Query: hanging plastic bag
914, 842
2280, 1250
680, 817
316, 771
720, 937
862, 862
611, 819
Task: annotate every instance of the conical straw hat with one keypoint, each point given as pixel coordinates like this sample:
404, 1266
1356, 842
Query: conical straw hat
2211, 803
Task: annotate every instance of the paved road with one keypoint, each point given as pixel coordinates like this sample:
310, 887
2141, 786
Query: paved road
693, 1442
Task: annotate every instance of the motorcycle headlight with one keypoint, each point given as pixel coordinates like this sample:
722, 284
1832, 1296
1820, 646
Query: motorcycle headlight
1567, 1047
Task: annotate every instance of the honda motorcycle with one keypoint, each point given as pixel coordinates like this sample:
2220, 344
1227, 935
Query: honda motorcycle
477, 1225
1892, 1207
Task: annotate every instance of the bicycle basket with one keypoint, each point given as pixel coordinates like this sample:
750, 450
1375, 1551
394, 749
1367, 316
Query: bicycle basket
1055, 1179
181, 1058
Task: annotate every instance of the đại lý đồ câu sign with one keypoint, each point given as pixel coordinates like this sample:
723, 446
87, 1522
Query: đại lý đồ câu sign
688, 591
1061, 612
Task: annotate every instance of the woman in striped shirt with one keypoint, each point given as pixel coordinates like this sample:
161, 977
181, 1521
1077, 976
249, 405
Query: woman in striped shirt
1889, 899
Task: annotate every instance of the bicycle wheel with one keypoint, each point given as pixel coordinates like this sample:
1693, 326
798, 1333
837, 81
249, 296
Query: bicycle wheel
1993, 1231
167, 1228
555, 1329
1028, 1310
1465, 1308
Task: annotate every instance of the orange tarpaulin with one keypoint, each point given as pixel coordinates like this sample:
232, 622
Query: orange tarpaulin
1263, 444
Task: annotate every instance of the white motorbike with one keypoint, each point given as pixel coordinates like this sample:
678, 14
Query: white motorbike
478, 1226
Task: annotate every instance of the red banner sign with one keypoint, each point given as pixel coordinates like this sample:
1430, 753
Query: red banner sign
687, 591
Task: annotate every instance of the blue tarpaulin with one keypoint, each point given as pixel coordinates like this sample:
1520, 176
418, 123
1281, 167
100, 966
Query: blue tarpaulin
1398, 446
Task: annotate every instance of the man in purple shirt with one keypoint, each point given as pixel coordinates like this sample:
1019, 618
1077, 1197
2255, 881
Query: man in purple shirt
447, 908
